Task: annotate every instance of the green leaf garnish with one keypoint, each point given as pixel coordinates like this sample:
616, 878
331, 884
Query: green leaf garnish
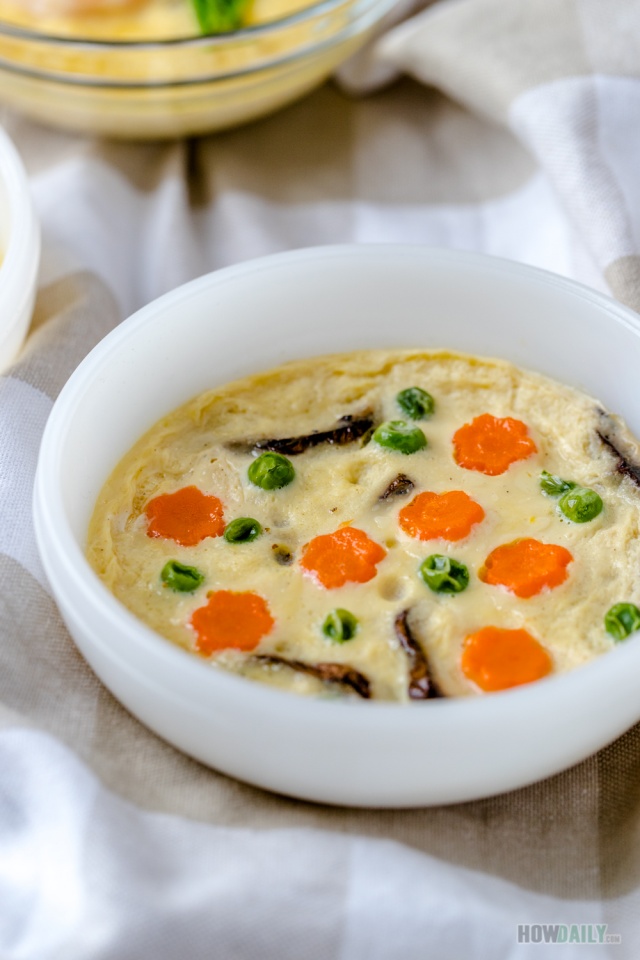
220, 16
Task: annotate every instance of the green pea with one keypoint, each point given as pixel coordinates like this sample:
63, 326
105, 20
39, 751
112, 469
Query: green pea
580, 504
622, 620
554, 486
271, 471
242, 530
444, 574
340, 626
416, 403
401, 436
181, 578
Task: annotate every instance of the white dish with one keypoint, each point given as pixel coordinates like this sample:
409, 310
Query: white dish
19, 252
249, 318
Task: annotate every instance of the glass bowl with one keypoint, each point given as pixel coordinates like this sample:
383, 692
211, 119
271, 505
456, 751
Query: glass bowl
176, 87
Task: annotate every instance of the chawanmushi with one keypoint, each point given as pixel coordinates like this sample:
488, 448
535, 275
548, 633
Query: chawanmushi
395, 525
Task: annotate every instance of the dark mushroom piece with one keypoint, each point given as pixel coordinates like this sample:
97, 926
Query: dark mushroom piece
329, 672
625, 465
421, 686
400, 486
282, 554
349, 429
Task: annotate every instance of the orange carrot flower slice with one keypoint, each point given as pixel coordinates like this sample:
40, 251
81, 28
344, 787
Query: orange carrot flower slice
346, 556
526, 566
496, 659
491, 444
186, 516
440, 516
231, 620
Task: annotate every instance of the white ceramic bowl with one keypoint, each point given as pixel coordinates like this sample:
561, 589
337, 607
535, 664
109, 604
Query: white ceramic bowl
254, 316
19, 251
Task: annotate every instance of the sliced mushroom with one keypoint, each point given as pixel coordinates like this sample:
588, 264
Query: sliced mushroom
349, 429
400, 486
421, 686
625, 465
282, 554
329, 672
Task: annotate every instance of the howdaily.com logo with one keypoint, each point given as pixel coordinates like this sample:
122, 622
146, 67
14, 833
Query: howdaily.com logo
566, 933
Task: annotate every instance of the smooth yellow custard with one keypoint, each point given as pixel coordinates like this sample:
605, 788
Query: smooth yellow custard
128, 20
393, 525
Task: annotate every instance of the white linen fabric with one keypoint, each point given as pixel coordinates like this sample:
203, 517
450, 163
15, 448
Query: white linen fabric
512, 129
87, 875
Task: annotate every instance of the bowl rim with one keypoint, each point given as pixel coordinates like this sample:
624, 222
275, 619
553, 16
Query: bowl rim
86, 82
54, 534
200, 40
19, 268
362, 14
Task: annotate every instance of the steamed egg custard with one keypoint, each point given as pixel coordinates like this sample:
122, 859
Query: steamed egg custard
142, 20
392, 525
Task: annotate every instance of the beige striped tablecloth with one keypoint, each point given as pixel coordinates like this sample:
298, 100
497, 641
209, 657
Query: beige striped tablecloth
505, 126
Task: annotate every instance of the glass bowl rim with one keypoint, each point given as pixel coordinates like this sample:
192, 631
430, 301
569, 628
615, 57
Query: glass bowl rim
85, 83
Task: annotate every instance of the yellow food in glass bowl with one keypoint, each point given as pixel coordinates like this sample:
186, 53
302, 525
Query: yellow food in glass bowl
146, 71
131, 20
